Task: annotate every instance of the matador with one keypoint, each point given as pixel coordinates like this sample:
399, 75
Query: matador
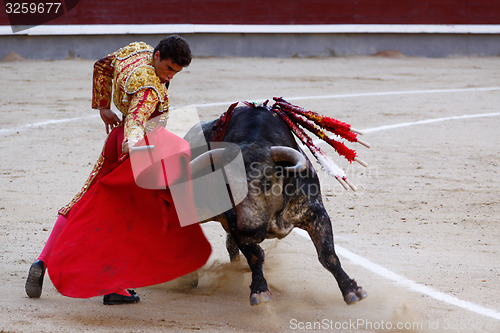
114, 234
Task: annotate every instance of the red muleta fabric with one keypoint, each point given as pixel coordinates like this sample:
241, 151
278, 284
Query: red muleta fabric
119, 235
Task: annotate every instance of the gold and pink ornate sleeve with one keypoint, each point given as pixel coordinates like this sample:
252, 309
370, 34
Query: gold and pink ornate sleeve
142, 105
103, 83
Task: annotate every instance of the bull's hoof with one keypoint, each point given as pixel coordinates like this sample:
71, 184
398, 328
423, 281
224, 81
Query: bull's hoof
351, 298
257, 298
355, 296
361, 293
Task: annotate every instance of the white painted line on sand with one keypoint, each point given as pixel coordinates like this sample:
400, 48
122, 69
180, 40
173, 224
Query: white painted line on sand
12, 130
407, 283
4, 131
392, 93
367, 94
429, 121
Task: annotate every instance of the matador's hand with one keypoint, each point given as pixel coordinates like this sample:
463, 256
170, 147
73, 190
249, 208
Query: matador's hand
110, 119
127, 146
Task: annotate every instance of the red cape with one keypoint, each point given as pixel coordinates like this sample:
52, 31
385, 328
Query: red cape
119, 235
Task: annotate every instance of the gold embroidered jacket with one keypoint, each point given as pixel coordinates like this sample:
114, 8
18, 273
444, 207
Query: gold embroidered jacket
138, 91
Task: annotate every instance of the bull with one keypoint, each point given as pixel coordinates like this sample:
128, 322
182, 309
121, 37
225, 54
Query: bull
283, 193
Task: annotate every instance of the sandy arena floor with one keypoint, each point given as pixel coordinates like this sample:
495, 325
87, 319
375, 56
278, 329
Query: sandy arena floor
423, 224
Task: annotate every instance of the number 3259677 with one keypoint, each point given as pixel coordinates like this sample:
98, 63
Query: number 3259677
32, 8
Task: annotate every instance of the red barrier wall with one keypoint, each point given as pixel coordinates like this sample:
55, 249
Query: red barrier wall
277, 12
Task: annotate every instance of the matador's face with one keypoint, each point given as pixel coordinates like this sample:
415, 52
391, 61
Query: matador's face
166, 68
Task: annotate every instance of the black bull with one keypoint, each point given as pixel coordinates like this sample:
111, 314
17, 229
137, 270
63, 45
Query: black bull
283, 193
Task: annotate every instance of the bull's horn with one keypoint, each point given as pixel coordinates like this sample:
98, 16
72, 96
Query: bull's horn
204, 159
282, 153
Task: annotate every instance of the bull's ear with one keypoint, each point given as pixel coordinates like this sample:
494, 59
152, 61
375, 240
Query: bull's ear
288, 154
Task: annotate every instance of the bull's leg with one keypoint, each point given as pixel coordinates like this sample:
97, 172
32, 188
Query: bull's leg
321, 234
232, 247
254, 254
259, 291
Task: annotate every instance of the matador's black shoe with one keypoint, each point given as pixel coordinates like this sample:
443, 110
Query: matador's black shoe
34, 282
114, 299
